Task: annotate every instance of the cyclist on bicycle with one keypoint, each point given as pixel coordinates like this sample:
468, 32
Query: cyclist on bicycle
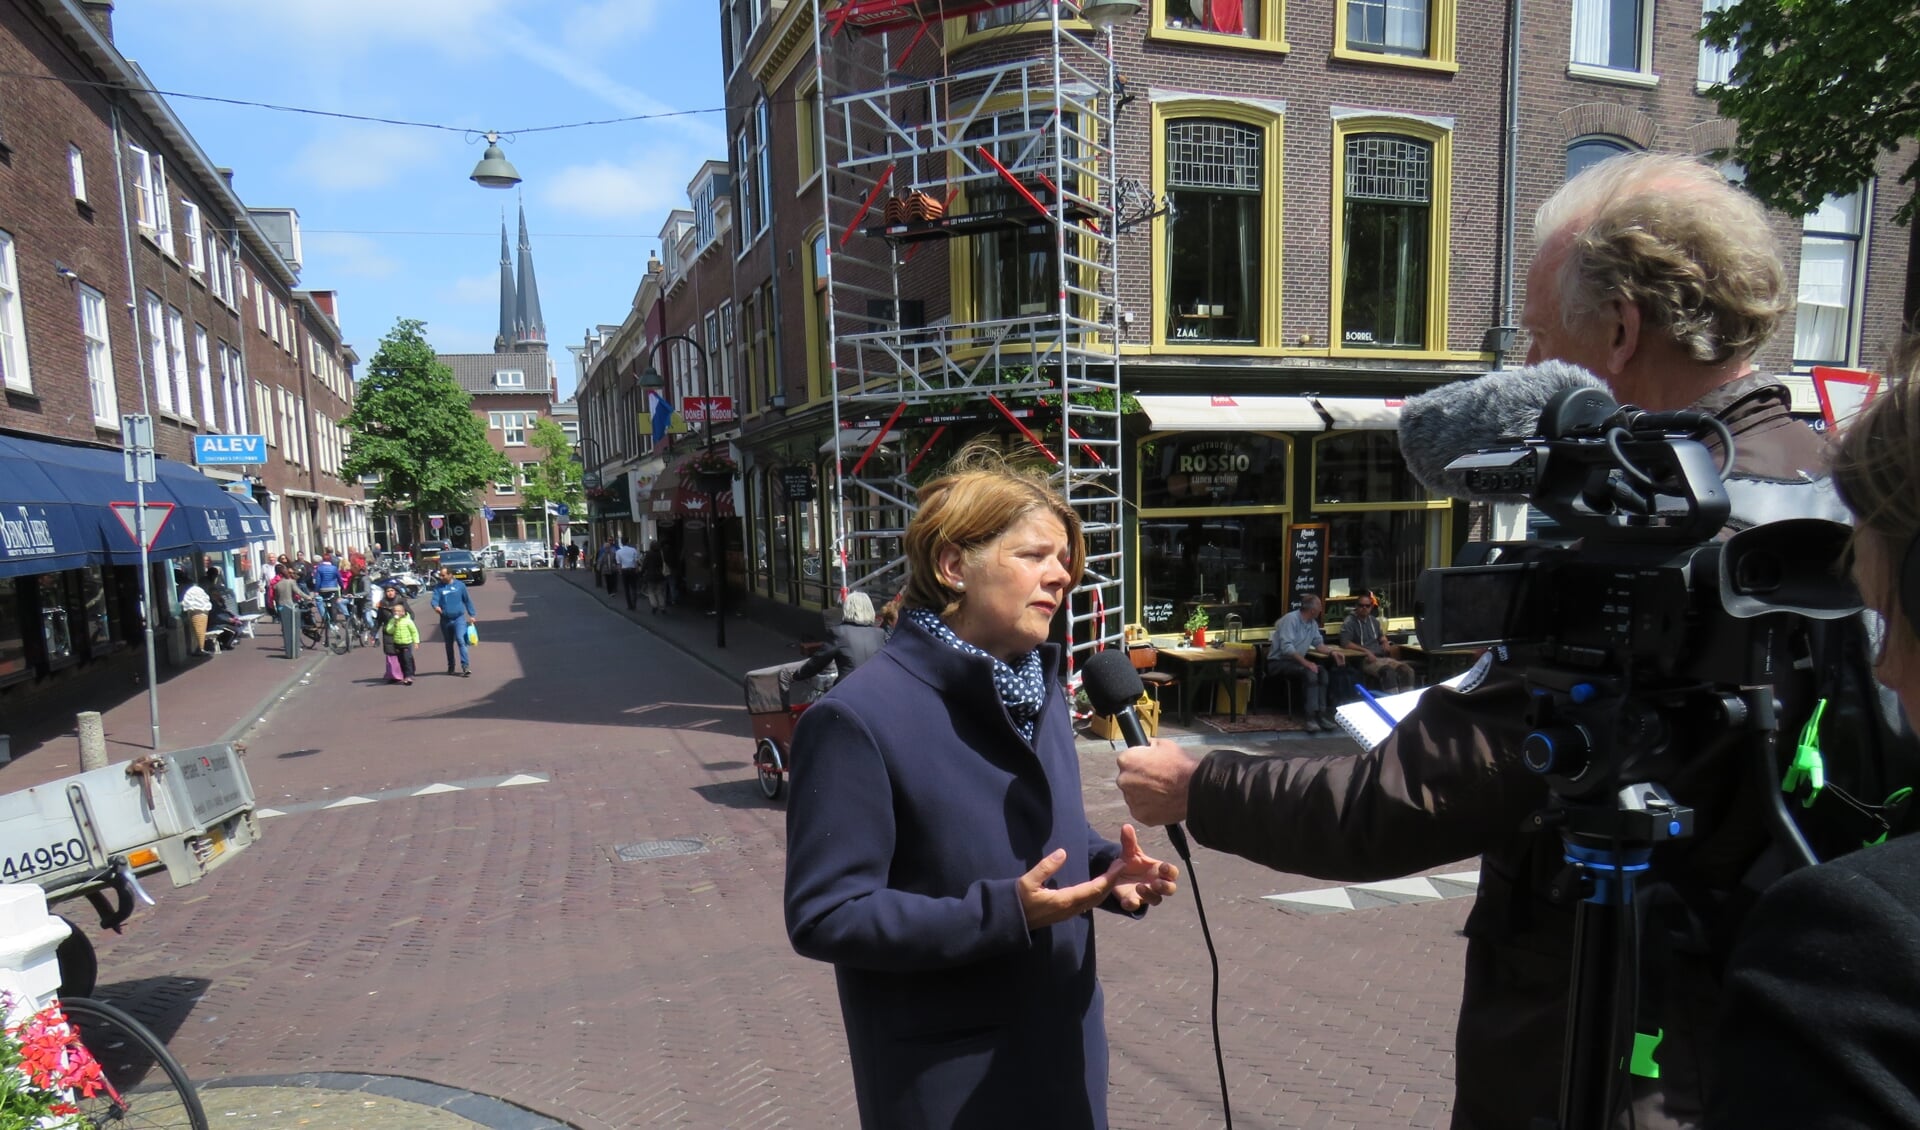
326, 585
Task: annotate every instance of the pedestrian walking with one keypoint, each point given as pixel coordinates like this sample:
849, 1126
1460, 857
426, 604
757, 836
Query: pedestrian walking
402, 636
628, 560
573, 555
604, 565
455, 606
286, 604
653, 579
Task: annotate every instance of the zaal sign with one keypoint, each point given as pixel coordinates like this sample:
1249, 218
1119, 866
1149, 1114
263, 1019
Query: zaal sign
229, 450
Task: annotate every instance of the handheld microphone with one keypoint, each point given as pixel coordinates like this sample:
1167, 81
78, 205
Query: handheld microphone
1496, 410
1113, 686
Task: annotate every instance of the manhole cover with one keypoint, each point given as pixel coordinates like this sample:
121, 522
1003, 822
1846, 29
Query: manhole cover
659, 849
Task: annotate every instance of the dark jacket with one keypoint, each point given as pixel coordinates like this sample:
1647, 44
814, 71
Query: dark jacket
848, 646
1822, 1000
916, 807
1449, 784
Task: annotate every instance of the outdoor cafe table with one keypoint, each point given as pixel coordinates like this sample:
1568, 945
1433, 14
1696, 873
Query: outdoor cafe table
1198, 667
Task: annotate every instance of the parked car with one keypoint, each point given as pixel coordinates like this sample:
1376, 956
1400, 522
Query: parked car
464, 566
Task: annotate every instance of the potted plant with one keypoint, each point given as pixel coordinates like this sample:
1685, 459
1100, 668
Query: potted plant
711, 468
1197, 625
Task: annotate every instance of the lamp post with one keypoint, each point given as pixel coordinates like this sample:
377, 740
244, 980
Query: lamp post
651, 381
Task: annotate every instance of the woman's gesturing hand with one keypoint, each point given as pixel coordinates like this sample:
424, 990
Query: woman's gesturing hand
1139, 879
1135, 879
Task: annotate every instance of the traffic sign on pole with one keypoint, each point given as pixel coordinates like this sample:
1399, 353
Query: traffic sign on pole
129, 515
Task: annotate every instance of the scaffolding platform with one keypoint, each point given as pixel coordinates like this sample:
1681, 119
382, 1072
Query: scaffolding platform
1018, 217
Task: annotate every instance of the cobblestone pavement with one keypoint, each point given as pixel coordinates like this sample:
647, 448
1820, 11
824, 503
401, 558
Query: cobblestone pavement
493, 937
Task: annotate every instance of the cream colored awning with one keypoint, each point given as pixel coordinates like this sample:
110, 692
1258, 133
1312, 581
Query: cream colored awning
1358, 412
1232, 414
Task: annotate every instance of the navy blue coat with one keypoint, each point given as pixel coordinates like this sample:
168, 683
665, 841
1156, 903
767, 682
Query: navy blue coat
916, 807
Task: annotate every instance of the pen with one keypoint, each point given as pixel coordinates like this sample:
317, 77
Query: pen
1377, 708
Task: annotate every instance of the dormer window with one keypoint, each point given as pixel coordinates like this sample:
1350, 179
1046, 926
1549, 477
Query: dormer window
509, 378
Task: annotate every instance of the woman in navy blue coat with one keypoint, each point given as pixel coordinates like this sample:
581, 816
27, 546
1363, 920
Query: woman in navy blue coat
938, 853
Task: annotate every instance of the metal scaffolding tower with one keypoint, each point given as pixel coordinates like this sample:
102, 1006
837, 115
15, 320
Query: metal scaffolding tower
969, 284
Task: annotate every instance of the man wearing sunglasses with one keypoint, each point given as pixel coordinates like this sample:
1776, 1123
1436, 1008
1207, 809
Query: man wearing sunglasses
1362, 629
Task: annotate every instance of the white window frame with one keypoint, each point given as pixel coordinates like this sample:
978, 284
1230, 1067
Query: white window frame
177, 351
157, 351
300, 440
1716, 66
196, 250
142, 163
15, 372
509, 378
511, 425
1818, 230
264, 408
526, 479
203, 361
227, 389
238, 367
1595, 27
500, 488
98, 341
163, 205
77, 172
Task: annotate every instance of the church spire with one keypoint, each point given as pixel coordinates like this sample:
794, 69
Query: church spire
508, 299
530, 327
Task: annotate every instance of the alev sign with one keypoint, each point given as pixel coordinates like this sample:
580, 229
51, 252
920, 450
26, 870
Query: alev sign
229, 450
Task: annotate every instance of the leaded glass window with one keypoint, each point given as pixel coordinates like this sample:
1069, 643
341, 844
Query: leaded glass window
1215, 176
1389, 205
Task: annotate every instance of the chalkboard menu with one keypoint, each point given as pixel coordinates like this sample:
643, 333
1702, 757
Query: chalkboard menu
797, 482
1306, 562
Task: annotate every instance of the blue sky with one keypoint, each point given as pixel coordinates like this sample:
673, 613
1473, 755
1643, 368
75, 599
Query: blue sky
595, 197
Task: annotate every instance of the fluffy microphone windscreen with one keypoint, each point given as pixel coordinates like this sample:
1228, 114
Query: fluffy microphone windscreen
1110, 681
1439, 426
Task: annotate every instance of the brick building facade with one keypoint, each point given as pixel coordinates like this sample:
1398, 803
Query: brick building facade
132, 280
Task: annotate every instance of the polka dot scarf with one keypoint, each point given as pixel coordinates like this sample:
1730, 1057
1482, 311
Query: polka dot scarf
1022, 688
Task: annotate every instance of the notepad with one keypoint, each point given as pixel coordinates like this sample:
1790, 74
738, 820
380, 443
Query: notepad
1363, 723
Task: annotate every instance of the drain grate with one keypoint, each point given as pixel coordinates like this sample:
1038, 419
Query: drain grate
659, 849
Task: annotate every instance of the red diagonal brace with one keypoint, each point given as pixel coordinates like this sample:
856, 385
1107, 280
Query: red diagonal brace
1024, 430
878, 436
926, 447
1091, 453
867, 205
901, 62
1012, 180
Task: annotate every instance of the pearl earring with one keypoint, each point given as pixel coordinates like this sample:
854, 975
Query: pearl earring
960, 586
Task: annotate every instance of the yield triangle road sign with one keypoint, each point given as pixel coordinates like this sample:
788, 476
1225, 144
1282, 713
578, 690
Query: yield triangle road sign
129, 515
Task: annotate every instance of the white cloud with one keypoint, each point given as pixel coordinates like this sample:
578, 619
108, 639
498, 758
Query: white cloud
462, 28
475, 290
641, 188
347, 254
593, 29
364, 156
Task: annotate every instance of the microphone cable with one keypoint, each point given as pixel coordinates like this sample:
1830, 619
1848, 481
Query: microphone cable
1179, 837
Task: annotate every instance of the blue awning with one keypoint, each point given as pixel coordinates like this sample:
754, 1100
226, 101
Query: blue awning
55, 510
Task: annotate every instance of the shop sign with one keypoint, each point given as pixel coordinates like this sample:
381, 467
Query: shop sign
797, 482
1210, 469
1306, 562
707, 409
26, 532
244, 451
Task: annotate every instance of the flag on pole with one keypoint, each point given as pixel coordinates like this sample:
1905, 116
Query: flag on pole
662, 416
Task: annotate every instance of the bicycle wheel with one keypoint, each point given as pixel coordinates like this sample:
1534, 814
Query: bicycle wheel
336, 635
146, 1086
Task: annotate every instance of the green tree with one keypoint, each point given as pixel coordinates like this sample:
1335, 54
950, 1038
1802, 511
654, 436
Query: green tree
556, 478
413, 425
1822, 88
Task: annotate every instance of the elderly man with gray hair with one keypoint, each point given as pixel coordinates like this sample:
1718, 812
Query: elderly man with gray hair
1663, 280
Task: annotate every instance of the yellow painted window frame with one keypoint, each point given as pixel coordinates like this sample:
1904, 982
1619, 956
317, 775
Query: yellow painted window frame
1439, 538
958, 38
1141, 513
1273, 40
1440, 56
813, 300
1438, 236
965, 307
806, 116
1272, 242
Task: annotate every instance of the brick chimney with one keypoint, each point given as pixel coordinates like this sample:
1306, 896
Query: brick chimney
326, 301
101, 13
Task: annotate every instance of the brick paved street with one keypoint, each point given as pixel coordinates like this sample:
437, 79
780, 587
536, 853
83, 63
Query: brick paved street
466, 917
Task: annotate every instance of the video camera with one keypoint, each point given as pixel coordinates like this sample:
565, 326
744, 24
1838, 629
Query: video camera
1638, 631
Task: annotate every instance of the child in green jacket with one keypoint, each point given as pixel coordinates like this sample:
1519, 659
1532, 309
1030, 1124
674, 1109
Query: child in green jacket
402, 635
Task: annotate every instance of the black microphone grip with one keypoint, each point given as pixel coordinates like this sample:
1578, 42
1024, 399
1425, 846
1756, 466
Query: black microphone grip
1128, 719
